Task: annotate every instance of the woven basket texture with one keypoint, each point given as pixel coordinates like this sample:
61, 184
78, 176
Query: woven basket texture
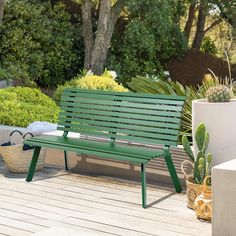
17, 160
193, 191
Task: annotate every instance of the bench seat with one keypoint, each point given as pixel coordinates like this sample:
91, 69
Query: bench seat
102, 149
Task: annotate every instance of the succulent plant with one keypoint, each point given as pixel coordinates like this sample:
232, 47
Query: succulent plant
219, 93
202, 161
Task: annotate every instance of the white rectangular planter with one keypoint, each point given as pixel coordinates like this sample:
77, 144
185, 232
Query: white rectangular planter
224, 199
220, 121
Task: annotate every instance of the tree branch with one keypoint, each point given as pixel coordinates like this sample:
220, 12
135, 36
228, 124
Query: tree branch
212, 25
116, 10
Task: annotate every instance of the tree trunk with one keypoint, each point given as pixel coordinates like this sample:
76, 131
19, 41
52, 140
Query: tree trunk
200, 26
189, 23
102, 41
108, 16
87, 33
233, 45
2, 3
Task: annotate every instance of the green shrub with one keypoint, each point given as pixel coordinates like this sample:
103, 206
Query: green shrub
37, 43
92, 82
151, 37
209, 46
20, 106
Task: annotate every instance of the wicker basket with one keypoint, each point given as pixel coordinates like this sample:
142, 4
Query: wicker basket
192, 190
17, 160
203, 203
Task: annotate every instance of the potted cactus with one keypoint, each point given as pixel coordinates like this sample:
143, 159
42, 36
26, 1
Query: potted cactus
218, 113
201, 163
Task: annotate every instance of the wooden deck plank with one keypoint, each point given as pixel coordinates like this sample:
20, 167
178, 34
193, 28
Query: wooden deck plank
111, 218
6, 230
96, 204
76, 197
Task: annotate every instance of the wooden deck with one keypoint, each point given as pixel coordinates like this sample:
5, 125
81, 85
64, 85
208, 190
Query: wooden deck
61, 203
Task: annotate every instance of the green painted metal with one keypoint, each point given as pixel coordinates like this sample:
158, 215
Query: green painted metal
143, 153
144, 185
33, 163
129, 95
172, 170
66, 161
145, 118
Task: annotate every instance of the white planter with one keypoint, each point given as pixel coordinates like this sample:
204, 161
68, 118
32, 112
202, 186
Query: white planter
220, 121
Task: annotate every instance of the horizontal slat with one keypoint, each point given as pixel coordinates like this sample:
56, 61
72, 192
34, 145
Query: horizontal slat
103, 102
65, 107
91, 133
142, 152
128, 99
121, 131
114, 120
123, 94
120, 137
89, 152
131, 126
113, 115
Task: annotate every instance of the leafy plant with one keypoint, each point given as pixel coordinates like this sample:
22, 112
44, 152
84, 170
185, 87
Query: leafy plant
93, 82
151, 37
169, 87
37, 43
20, 106
203, 160
209, 46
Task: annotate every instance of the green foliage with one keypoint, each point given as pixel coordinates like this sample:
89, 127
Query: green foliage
37, 43
209, 46
93, 82
200, 136
150, 39
187, 147
169, 87
203, 160
20, 106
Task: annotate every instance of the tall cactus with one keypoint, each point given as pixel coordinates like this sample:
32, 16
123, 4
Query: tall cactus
202, 161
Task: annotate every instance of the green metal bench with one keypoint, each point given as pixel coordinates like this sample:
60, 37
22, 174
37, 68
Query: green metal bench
130, 117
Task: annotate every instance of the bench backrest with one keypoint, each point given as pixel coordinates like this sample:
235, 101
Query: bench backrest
136, 117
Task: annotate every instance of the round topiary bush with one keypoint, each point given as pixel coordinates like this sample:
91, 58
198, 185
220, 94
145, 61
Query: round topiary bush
93, 82
20, 106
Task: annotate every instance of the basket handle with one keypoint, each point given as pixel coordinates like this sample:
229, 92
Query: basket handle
182, 167
26, 146
28, 133
16, 131
13, 132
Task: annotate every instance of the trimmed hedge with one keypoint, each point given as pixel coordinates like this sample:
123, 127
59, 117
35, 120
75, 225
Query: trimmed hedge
20, 106
92, 82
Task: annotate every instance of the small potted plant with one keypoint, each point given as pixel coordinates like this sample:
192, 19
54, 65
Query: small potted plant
218, 112
201, 164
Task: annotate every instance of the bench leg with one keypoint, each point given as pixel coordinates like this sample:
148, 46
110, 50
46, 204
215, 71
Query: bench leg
143, 177
33, 164
65, 158
172, 171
